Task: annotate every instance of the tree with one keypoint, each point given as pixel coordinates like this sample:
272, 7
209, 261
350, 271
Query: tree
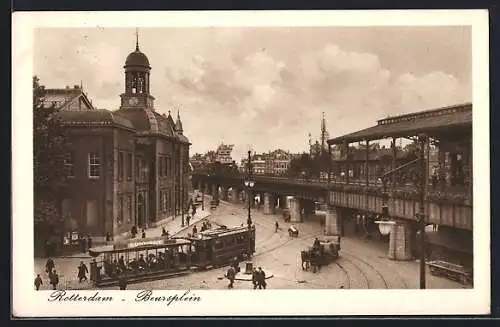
49, 144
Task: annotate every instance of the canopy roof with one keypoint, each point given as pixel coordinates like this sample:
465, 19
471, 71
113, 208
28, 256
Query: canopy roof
428, 121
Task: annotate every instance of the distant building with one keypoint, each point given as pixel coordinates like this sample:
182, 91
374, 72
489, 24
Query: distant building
271, 163
223, 153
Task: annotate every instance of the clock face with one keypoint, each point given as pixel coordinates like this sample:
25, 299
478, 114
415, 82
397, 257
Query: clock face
133, 101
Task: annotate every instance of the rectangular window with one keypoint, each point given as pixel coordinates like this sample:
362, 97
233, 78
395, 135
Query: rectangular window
130, 213
92, 213
120, 165
94, 165
138, 168
164, 201
69, 164
169, 166
165, 172
129, 166
120, 211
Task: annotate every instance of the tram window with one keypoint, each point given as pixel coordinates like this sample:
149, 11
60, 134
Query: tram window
240, 239
218, 244
230, 241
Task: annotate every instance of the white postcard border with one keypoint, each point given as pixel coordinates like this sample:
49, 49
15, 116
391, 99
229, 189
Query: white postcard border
29, 303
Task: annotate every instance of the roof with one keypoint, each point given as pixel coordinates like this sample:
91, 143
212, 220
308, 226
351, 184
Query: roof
66, 99
96, 117
434, 120
137, 59
148, 121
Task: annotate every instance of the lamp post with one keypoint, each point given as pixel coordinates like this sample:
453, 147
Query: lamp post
422, 140
249, 183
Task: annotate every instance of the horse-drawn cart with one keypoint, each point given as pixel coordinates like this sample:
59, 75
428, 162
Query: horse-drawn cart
451, 271
322, 254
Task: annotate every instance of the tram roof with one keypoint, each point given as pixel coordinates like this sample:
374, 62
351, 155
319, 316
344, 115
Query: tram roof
221, 232
138, 245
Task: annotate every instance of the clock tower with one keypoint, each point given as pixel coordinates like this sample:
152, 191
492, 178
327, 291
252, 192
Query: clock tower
137, 71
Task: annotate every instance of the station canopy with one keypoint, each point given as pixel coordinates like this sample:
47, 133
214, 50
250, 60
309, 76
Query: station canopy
432, 122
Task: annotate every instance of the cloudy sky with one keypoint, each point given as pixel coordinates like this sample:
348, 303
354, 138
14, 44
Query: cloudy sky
266, 88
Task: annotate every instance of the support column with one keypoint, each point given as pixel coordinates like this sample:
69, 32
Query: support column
268, 204
294, 210
200, 185
224, 191
235, 195
206, 188
401, 242
332, 221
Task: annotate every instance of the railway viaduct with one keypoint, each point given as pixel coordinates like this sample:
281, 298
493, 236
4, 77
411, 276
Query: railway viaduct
354, 186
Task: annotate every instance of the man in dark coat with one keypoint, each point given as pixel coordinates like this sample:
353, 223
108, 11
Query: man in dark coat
276, 226
122, 283
82, 272
255, 278
143, 233
231, 275
38, 281
49, 266
54, 280
261, 279
195, 230
89, 242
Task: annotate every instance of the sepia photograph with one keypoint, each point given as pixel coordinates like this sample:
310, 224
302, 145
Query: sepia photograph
265, 158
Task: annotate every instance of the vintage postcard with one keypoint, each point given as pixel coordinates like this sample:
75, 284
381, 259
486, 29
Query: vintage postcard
250, 163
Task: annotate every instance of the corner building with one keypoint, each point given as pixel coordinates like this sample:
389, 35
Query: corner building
127, 167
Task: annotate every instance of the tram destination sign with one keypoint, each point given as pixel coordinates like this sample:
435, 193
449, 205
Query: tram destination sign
130, 244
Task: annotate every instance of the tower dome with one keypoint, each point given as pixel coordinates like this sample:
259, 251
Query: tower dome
137, 59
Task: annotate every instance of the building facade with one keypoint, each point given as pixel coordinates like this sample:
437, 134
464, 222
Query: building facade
223, 153
127, 167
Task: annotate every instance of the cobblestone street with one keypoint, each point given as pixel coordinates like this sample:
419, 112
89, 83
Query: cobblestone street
363, 264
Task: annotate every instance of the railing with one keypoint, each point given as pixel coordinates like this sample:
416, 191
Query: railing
437, 191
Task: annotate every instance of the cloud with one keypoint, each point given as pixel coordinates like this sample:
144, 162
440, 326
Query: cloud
256, 88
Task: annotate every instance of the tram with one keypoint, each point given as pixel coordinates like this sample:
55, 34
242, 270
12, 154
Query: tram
163, 257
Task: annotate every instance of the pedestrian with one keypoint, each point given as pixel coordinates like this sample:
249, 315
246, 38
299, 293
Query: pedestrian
276, 225
108, 237
89, 241
143, 233
231, 274
49, 266
54, 280
38, 281
133, 231
82, 272
188, 218
195, 230
163, 231
261, 279
83, 244
255, 278
93, 270
194, 210
122, 283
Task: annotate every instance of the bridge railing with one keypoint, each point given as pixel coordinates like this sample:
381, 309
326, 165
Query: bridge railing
440, 191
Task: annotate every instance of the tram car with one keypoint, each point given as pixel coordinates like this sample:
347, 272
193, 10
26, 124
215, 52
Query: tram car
217, 247
163, 257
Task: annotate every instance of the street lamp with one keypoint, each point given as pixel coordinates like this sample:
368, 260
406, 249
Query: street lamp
249, 183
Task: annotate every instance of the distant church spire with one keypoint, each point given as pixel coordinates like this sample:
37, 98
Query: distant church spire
137, 39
